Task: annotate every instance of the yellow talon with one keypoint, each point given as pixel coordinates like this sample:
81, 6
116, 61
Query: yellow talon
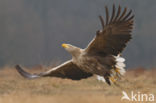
112, 79
117, 70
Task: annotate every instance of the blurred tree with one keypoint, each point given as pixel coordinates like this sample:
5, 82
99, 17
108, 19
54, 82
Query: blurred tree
31, 31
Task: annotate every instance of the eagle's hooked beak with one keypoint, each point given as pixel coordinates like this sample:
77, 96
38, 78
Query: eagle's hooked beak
65, 45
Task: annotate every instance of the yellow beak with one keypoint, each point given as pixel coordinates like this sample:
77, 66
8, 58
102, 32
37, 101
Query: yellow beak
64, 45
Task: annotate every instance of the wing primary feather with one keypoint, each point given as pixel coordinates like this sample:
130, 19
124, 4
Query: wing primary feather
113, 13
26, 74
116, 34
65, 70
118, 13
130, 18
122, 15
128, 14
102, 21
107, 15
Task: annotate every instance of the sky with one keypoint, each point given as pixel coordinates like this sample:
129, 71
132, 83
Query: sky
32, 31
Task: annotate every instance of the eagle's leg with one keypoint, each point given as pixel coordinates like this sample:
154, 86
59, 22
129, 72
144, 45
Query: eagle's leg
106, 76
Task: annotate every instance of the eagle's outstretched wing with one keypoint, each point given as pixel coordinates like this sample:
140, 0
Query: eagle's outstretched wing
115, 34
65, 70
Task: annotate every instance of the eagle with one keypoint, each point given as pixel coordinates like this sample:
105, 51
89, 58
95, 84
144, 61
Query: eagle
102, 56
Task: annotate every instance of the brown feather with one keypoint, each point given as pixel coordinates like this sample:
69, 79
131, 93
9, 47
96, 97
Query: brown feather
118, 13
124, 12
66, 70
113, 13
115, 35
102, 22
129, 13
107, 15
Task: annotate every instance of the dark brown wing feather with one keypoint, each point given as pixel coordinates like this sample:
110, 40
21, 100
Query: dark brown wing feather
66, 70
115, 34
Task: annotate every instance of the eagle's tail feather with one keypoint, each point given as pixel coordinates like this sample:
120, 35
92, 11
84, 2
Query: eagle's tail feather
120, 65
118, 71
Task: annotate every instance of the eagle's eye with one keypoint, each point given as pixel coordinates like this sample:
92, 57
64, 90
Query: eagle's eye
98, 32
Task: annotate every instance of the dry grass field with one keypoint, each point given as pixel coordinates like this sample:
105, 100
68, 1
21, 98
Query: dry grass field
16, 89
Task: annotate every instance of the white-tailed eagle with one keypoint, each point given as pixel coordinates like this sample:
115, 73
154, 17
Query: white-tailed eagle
102, 56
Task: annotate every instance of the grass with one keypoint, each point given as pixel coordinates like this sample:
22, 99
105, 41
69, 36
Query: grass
16, 89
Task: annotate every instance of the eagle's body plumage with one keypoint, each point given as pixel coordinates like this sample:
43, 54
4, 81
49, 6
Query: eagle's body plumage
101, 56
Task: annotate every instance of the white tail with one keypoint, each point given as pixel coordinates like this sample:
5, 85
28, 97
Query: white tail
116, 72
119, 70
120, 64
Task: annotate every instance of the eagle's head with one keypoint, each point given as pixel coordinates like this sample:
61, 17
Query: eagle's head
75, 51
